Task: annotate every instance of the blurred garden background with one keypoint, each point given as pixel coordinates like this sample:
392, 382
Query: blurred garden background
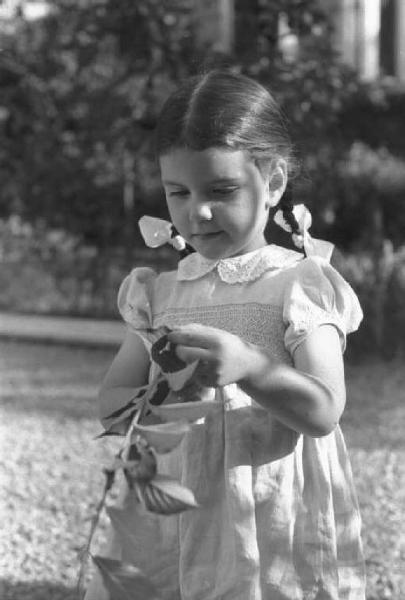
81, 83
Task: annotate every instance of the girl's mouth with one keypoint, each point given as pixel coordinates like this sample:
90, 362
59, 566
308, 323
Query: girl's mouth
207, 235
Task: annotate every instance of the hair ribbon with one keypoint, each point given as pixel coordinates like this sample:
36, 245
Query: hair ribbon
303, 239
157, 232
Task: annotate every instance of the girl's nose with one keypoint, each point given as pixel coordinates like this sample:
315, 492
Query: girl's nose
200, 211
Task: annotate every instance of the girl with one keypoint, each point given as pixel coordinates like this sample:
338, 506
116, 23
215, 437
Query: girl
278, 516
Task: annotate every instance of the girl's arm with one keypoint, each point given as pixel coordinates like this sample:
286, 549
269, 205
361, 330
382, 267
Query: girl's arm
308, 397
128, 371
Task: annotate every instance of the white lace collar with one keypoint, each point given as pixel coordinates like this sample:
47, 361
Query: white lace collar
237, 269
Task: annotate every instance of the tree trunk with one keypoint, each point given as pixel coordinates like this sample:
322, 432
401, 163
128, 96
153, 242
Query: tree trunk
128, 199
214, 24
247, 28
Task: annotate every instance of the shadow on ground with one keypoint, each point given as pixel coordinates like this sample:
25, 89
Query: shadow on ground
41, 590
57, 380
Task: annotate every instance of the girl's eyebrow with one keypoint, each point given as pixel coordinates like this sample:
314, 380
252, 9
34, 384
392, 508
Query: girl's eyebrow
218, 181
167, 182
227, 180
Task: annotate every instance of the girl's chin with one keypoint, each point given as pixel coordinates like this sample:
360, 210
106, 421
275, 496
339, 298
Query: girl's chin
214, 254
218, 247
212, 246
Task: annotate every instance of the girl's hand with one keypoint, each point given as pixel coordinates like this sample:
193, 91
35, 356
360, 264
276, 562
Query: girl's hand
223, 357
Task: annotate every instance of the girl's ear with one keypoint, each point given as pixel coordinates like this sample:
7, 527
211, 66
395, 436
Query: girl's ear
277, 182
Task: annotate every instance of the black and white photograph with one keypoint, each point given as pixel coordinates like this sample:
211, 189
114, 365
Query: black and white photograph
202, 283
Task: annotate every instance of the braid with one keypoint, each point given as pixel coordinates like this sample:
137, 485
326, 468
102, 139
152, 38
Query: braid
286, 206
187, 249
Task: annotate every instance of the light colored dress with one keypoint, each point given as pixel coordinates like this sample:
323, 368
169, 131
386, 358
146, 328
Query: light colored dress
279, 518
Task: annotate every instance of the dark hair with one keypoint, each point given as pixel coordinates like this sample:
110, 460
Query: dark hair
224, 109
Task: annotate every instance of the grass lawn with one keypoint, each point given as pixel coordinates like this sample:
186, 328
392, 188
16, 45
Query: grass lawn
50, 467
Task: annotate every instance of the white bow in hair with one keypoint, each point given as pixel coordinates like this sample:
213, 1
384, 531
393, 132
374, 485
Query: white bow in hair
157, 232
303, 239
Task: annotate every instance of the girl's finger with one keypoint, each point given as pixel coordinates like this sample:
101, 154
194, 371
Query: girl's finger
204, 374
197, 336
190, 353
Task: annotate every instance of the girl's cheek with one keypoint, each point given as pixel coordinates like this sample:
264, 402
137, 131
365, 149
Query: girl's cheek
172, 209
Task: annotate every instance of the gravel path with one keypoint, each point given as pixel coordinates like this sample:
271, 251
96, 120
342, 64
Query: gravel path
50, 467
374, 426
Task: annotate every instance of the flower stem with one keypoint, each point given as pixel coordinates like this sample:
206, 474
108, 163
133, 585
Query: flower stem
94, 522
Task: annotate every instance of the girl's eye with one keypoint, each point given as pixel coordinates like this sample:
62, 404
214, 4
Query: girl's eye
178, 194
224, 191
215, 192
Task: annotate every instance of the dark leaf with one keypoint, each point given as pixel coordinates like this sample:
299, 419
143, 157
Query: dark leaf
133, 453
160, 393
118, 428
175, 490
166, 496
117, 413
130, 480
124, 581
140, 464
163, 353
108, 434
110, 477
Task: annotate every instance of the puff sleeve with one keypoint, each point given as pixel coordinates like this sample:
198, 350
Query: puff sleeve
135, 299
318, 295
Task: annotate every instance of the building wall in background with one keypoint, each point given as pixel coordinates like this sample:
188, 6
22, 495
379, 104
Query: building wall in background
370, 34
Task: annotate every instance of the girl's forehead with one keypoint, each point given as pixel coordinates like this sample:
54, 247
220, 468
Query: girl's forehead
204, 164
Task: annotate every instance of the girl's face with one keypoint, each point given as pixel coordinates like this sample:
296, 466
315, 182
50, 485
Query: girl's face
218, 200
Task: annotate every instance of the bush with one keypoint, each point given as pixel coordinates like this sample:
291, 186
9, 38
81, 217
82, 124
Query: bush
369, 198
381, 289
51, 271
